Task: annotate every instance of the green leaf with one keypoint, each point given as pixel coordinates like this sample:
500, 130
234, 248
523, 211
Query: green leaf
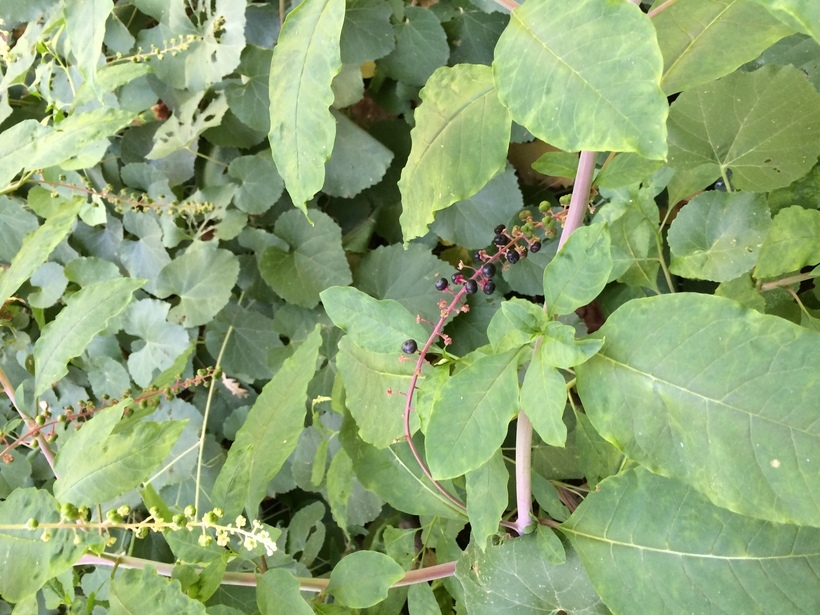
763, 126
702, 40
251, 338
421, 600
316, 260
516, 324
688, 383
550, 545
653, 545
515, 577
16, 146
717, 235
203, 279
305, 60
375, 386
597, 457
802, 15
366, 32
579, 271
557, 164
394, 475
15, 223
250, 100
589, 97
477, 34
792, 243
85, 28
158, 342
86, 314
626, 169
259, 183
377, 325
362, 579
543, 397
277, 591
51, 281
457, 101
561, 349
469, 223
487, 498
358, 160
421, 47
469, 419
29, 560
270, 433
144, 591
106, 459
36, 247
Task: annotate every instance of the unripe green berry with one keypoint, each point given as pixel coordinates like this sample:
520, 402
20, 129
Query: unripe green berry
32, 524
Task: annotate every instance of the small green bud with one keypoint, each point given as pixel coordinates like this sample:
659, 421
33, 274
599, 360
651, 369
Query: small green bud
124, 510
205, 540
544, 206
83, 513
113, 516
40, 420
32, 524
190, 511
565, 199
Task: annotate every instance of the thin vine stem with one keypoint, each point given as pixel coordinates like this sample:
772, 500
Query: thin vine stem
660, 8
207, 412
794, 279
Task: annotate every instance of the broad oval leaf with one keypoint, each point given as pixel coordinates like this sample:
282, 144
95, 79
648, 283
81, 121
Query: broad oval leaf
444, 166
543, 398
803, 15
601, 96
763, 127
698, 388
362, 579
702, 40
277, 591
302, 130
135, 591
717, 235
792, 243
516, 577
579, 271
654, 545
420, 47
469, 418
86, 314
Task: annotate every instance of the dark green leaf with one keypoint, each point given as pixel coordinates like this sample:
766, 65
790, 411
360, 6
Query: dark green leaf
802, 15
517, 323
792, 243
543, 398
358, 160
652, 391
277, 591
366, 32
252, 336
487, 498
144, 591
259, 183
625, 170
250, 100
362, 579
421, 47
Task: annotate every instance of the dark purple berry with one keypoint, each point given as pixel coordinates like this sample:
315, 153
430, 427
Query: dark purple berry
489, 287
409, 347
512, 257
535, 247
457, 277
477, 256
499, 229
488, 270
499, 240
442, 284
471, 287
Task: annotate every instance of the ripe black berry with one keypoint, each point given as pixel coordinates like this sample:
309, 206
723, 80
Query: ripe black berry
442, 284
477, 256
489, 287
457, 277
512, 257
499, 229
535, 247
471, 287
499, 240
488, 270
409, 347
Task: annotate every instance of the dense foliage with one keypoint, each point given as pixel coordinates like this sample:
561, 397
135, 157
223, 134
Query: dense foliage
397, 307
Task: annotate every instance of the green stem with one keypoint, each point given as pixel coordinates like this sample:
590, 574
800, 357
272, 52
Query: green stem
662, 260
794, 279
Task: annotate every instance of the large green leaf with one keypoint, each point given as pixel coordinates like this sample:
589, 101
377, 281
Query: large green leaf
698, 388
803, 15
601, 96
421, 47
763, 126
36, 247
203, 279
702, 40
144, 591
444, 166
515, 577
543, 398
717, 235
277, 591
375, 389
377, 325
85, 27
158, 342
302, 130
316, 260
579, 271
251, 339
270, 433
362, 579
86, 314
366, 32
487, 498
259, 183
16, 145
101, 461
792, 243
28, 560
250, 100
655, 545
469, 418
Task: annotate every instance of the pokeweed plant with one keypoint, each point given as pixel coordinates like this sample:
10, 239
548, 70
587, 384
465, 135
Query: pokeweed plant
370, 305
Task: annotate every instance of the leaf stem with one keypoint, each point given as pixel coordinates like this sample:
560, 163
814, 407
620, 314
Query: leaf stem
507, 4
42, 443
660, 8
794, 279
